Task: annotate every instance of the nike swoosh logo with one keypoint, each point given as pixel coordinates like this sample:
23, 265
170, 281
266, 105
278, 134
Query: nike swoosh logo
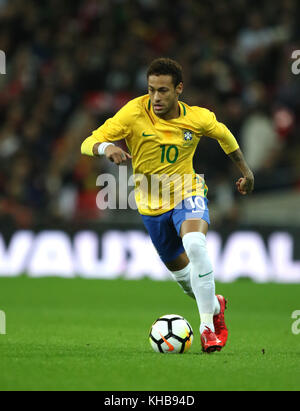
171, 348
147, 135
204, 275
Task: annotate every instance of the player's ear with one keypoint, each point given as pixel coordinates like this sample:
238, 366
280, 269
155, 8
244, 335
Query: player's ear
179, 89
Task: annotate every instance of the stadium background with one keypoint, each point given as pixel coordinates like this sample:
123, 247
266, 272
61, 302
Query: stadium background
71, 65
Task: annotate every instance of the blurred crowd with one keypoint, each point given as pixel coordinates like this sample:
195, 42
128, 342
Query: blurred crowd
73, 64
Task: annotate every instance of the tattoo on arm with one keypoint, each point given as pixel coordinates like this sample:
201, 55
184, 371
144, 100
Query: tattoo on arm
238, 158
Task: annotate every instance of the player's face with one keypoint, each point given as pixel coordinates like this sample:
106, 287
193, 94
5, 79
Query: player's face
163, 95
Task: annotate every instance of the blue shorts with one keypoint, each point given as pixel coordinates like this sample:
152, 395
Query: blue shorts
164, 229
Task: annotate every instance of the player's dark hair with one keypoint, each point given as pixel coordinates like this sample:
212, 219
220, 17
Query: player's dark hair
166, 66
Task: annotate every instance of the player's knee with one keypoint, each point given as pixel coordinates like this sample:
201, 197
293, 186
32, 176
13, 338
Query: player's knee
195, 247
194, 250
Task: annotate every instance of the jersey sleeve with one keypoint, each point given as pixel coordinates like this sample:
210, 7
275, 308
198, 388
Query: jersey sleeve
114, 129
214, 129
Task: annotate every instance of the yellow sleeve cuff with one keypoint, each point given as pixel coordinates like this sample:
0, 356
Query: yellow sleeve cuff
87, 146
226, 139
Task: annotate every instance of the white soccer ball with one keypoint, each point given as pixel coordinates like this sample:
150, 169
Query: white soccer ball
171, 334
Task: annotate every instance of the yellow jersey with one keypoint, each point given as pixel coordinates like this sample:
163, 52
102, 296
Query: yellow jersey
162, 150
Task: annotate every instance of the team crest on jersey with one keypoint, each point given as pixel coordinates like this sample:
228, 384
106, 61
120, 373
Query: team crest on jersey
188, 137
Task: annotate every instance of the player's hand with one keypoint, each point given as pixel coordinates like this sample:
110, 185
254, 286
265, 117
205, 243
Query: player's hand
116, 154
245, 185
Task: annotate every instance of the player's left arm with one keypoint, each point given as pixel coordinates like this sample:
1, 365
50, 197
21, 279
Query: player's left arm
215, 129
245, 185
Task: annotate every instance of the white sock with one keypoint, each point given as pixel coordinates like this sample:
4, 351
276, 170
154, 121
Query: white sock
217, 306
202, 277
184, 280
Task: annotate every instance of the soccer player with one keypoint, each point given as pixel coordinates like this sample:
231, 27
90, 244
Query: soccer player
162, 133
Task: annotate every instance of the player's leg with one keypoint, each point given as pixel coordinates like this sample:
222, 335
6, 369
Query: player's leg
193, 233
169, 247
211, 307
180, 269
191, 221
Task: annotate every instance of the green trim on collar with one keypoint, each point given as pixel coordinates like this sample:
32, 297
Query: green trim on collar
184, 109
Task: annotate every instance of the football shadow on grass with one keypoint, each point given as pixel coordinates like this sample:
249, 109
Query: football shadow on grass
189, 354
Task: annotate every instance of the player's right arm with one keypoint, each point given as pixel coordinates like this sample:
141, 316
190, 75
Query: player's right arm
101, 140
113, 153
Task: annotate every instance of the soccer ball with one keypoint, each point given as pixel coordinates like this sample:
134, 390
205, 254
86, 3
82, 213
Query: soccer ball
171, 334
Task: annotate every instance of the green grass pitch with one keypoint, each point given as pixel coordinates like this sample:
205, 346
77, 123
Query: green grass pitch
93, 335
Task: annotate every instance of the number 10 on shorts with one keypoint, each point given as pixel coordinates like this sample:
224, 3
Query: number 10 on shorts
196, 203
